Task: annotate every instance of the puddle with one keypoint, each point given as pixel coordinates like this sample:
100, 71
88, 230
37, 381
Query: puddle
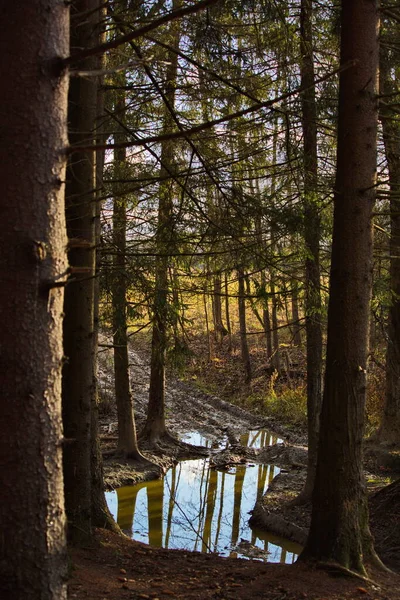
197, 508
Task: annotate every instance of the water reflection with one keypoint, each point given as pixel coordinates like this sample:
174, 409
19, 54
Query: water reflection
198, 508
259, 438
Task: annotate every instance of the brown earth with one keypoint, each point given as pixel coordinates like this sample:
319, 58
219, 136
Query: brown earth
117, 568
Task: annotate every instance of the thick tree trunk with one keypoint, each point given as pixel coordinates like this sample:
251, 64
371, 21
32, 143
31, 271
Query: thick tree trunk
390, 427
33, 268
339, 525
312, 241
78, 385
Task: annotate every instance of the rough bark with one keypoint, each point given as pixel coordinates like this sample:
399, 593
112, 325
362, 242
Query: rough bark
389, 87
33, 268
312, 227
339, 529
78, 388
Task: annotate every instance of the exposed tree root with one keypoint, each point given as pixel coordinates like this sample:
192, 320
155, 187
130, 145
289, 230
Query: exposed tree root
333, 567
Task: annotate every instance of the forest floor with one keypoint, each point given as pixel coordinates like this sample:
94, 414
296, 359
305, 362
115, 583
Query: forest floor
117, 568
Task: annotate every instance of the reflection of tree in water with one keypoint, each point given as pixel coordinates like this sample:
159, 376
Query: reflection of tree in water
171, 503
237, 501
155, 506
220, 512
210, 505
198, 508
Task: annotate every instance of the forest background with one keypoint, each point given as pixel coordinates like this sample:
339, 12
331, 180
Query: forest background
208, 144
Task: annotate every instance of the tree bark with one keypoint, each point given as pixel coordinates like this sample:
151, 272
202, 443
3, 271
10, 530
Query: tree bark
219, 327
127, 440
295, 314
33, 270
155, 426
339, 529
312, 227
100, 513
276, 355
78, 384
390, 427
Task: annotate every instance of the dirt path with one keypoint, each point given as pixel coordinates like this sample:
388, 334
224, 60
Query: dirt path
191, 415
188, 409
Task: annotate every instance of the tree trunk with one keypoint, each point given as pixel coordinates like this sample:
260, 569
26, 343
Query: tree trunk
219, 328
267, 327
155, 427
78, 388
339, 529
295, 315
33, 269
227, 315
276, 356
390, 427
127, 440
100, 513
312, 227
244, 347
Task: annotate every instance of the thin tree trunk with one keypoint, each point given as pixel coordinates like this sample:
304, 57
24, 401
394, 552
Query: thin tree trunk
127, 440
276, 356
207, 324
100, 513
219, 328
296, 315
227, 315
244, 347
155, 427
339, 529
312, 229
33, 269
78, 388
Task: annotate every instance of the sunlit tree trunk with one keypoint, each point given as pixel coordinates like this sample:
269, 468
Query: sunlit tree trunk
244, 346
33, 270
339, 529
227, 312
